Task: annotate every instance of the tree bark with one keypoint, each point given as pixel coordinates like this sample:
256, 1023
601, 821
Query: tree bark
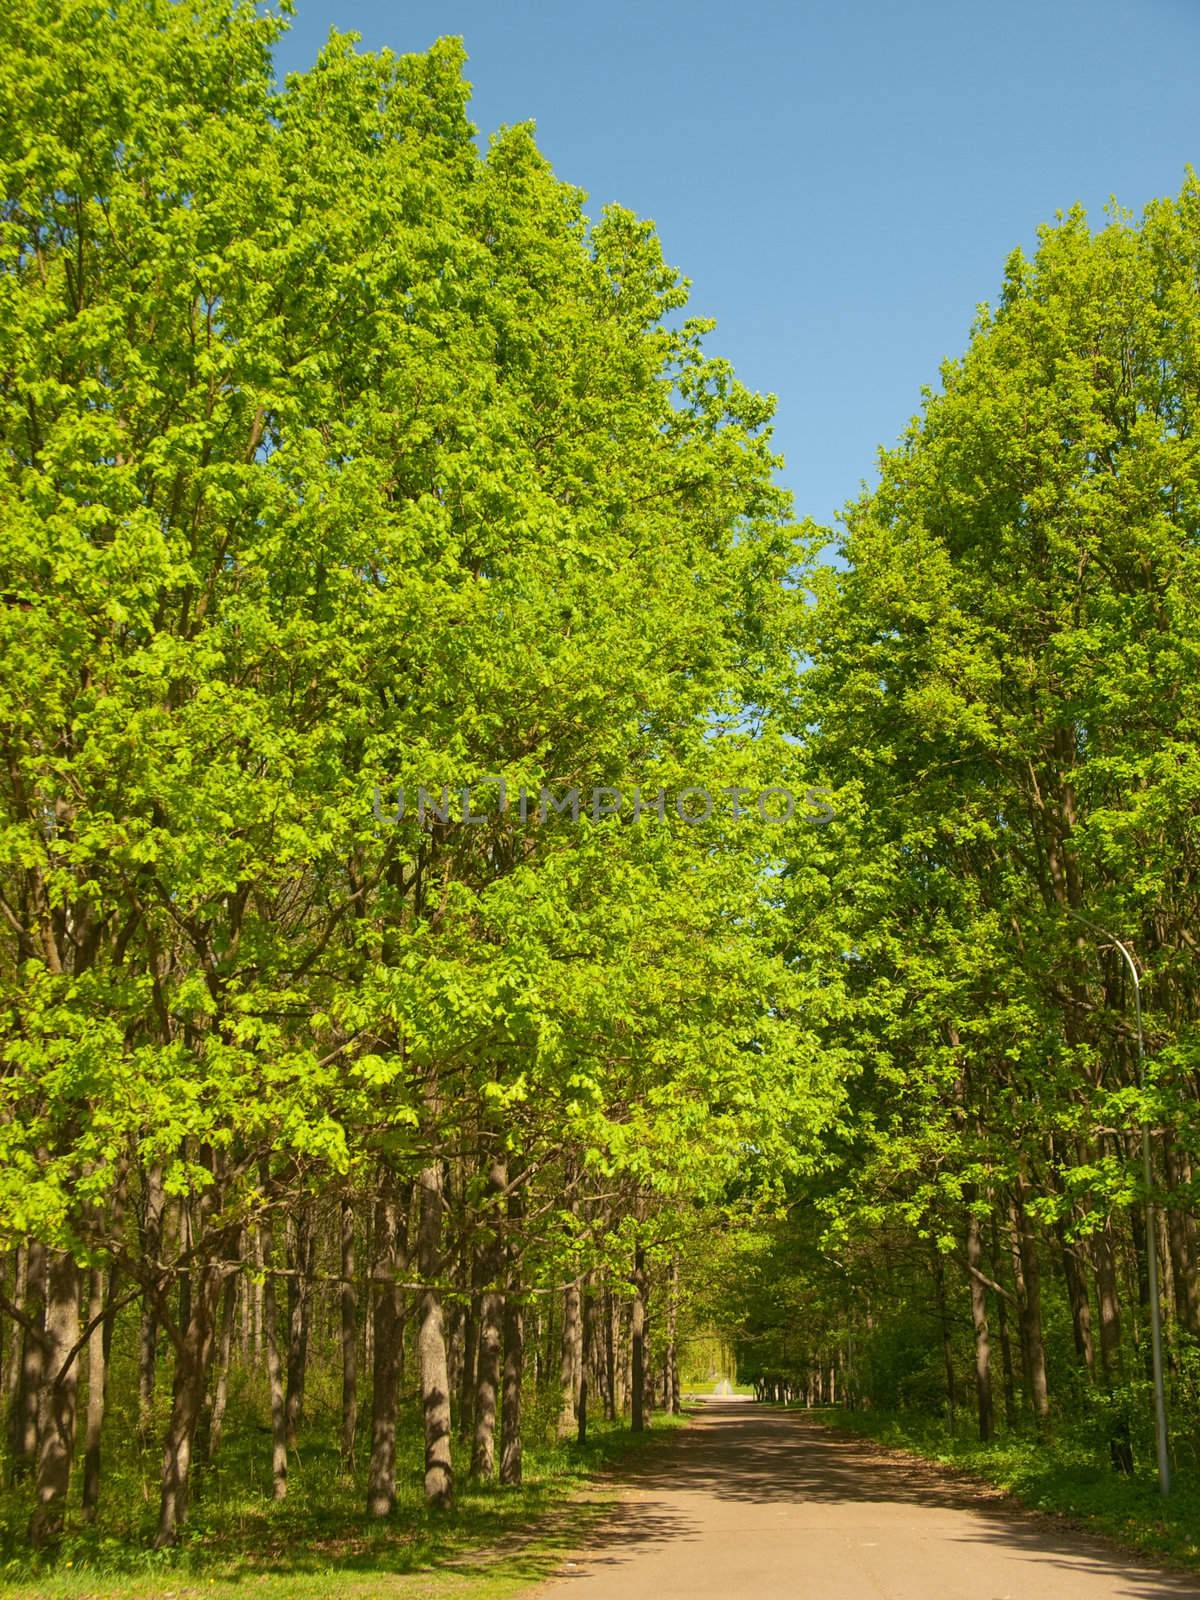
979, 1320
387, 1318
587, 1323
514, 1351
674, 1402
610, 1356
469, 1376
27, 1400
348, 1299
152, 1232
216, 1421
431, 1344
939, 1281
56, 1399
491, 1319
258, 1300
302, 1240
270, 1313
12, 1356
1108, 1300
191, 1368
569, 1359
1077, 1297
1011, 1417
1181, 1240
1031, 1307
99, 1341
637, 1335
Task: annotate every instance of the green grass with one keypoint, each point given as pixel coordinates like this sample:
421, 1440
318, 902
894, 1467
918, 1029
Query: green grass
239, 1542
1066, 1475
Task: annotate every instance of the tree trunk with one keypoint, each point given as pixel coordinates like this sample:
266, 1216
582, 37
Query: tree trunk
99, 1341
27, 1400
270, 1305
1141, 1272
1181, 1240
454, 1318
387, 1318
647, 1364
625, 1350
939, 1281
587, 1323
152, 1232
258, 1299
56, 1399
301, 1242
569, 1359
1031, 1308
979, 1320
491, 1333
1018, 1271
191, 1369
610, 1356
469, 1376
431, 1344
1011, 1415
673, 1402
243, 1317
216, 1421
637, 1334
514, 1351
1077, 1297
348, 1300
12, 1356
594, 1368
1107, 1298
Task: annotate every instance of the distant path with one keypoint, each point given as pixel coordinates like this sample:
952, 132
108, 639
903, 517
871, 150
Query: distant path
750, 1503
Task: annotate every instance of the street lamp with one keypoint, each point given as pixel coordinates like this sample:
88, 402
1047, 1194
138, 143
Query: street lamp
1156, 1357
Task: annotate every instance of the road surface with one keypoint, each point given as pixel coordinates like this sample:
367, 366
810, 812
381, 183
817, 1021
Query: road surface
758, 1503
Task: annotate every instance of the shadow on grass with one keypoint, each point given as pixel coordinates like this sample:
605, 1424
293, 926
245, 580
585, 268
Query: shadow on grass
320, 1530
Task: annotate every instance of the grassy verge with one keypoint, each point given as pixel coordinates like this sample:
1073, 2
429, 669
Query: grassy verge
1064, 1476
317, 1542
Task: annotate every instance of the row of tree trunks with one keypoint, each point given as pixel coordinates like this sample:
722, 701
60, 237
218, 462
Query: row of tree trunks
213, 1295
1091, 1259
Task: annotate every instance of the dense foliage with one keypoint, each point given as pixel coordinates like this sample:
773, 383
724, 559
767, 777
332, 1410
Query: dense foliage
1004, 687
340, 462
356, 484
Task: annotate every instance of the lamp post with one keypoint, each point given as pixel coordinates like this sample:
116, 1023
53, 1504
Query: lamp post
1156, 1355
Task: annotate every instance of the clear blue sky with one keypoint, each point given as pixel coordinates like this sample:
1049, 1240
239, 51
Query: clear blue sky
841, 182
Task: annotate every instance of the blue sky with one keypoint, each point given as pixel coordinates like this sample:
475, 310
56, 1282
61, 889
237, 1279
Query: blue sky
841, 182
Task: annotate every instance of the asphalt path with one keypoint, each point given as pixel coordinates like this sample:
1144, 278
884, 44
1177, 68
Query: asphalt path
752, 1501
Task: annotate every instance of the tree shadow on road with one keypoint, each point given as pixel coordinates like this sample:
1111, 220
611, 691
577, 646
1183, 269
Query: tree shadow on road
762, 1456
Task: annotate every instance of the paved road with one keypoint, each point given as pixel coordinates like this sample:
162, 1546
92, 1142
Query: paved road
760, 1503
